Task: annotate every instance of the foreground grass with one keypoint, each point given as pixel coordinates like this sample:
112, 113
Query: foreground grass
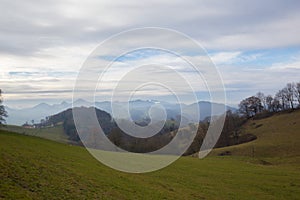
35, 168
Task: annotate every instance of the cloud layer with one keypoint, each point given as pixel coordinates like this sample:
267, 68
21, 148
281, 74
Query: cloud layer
44, 43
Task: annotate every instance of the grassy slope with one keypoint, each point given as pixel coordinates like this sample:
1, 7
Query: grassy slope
32, 167
52, 133
278, 139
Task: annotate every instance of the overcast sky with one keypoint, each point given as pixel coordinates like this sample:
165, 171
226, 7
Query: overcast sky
43, 44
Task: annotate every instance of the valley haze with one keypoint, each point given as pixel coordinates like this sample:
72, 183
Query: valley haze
138, 109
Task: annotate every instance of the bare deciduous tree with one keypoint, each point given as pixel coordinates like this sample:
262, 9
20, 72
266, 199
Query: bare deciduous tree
297, 91
276, 105
3, 113
289, 91
281, 96
250, 106
262, 98
269, 102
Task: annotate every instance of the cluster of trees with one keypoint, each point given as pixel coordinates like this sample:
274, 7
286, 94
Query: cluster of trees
66, 119
231, 133
139, 145
3, 113
258, 105
285, 99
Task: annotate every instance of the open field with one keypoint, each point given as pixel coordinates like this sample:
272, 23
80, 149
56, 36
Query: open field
278, 140
36, 168
55, 133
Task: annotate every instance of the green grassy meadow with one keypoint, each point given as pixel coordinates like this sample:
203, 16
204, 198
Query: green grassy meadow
36, 168
278, 139
55, 133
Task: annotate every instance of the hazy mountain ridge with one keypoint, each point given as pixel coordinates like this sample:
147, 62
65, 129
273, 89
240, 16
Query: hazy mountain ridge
138, 110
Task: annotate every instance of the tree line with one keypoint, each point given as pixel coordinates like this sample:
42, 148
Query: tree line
285, 99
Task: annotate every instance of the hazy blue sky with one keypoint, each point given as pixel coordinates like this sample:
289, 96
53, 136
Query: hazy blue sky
255, 44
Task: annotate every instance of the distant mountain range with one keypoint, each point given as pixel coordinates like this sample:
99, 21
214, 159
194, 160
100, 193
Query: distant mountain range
139, 110
36, 113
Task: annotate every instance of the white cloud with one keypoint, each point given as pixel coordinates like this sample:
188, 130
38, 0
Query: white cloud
292, 66
224, 57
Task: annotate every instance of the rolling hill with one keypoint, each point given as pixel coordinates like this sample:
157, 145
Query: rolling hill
35, 168
278, 139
